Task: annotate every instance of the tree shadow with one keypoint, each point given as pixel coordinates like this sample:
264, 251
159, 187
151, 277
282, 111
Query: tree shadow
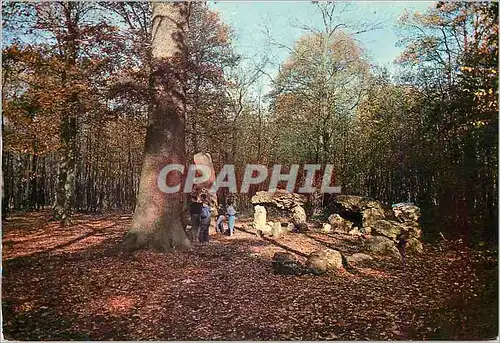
224, 290
274, 242
23, 259
66, 296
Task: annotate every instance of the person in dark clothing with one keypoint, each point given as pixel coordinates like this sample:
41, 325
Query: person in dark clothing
195, 212
401, 242
205, 216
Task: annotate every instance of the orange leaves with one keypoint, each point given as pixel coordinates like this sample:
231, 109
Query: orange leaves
226, 290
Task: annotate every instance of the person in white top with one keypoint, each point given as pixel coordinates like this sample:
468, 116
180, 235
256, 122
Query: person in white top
231, 217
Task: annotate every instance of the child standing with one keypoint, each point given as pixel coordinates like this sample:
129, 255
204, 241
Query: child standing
231, 216
219, 225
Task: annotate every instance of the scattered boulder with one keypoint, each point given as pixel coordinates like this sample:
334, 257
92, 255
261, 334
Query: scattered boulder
259, 217
323, 261
359, 259
285, 263
267, 230
355, 232
414, 246
382, 246
283, 256
386, 228
339, 224
326, 228
406, 212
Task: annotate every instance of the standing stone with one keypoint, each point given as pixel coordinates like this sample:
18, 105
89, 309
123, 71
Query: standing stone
277, 232
259, 217
298, 215
205, 159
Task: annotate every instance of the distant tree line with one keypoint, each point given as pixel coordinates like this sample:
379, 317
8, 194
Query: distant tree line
76, 97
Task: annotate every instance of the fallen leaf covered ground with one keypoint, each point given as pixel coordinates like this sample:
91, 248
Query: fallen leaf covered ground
72, 284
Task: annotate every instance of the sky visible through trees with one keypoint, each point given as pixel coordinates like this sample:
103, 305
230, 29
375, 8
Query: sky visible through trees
252, 41
309, 85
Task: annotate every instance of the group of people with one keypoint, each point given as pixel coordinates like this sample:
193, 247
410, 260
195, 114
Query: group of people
201, 214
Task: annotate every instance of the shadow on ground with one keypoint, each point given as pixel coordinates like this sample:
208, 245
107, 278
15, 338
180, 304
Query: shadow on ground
71, 284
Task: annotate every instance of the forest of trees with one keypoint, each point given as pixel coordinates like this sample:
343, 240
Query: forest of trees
77, 100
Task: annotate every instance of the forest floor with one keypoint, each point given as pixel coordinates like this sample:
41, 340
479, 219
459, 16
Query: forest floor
71, 284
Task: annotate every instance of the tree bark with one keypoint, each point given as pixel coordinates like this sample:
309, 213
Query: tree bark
68, 127
156, 221
66, 170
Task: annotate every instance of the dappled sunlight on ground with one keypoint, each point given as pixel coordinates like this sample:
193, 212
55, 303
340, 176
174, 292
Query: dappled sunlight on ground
121, 304
72, 283
44, 236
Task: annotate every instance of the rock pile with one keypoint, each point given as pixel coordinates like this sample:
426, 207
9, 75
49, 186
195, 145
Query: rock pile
358, 215
290, 205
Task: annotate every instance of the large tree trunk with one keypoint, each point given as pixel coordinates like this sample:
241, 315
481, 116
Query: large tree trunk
68, 127
156, 221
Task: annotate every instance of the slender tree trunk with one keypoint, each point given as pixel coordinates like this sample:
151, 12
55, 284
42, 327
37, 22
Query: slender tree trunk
156, 221
40, 198
5, 187
33, 181
66, 171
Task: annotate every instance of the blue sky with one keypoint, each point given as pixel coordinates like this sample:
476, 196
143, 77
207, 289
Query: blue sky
249, 20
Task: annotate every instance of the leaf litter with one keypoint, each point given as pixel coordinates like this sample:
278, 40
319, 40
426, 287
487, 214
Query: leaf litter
71, 284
